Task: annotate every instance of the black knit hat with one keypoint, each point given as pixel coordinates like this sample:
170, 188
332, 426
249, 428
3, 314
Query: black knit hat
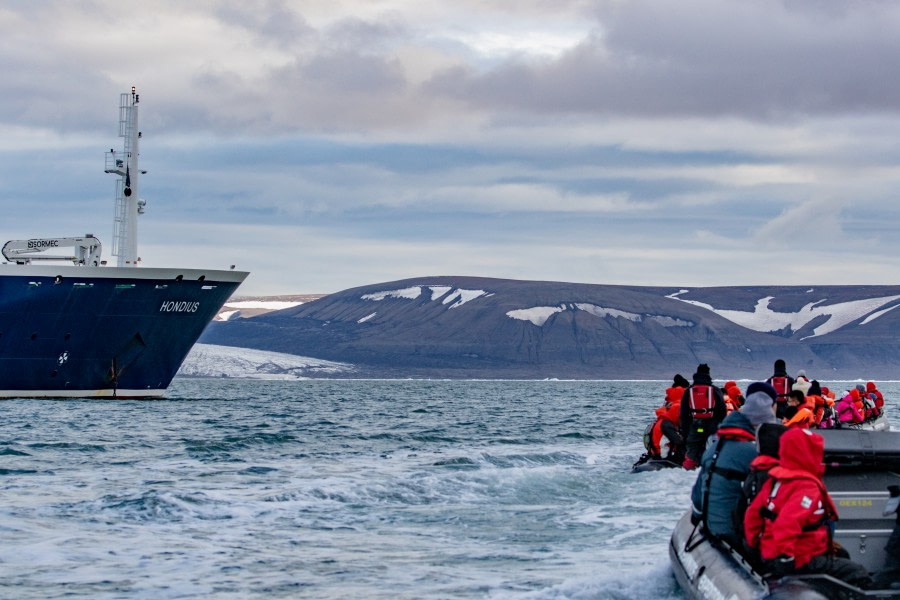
703, 369
680, 381
768, 438
814, 388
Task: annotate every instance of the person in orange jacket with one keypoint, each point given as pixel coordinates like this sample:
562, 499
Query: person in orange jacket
789, 522
734, 400
801, 410
675, 392
817, 399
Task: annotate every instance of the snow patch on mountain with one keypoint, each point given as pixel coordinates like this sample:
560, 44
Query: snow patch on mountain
766, 320
599, 311
456, 297
460, 297
209, 360
410, 293
538, 315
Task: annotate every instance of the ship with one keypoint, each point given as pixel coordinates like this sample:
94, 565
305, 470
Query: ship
73, 326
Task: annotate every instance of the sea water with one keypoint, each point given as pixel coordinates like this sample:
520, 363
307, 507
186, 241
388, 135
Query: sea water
340, 489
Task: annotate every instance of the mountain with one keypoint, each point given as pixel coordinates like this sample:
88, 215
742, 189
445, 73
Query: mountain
498, 328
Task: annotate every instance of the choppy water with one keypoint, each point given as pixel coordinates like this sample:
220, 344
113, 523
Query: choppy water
339, 489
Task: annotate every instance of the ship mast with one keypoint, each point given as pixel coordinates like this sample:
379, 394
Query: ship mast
125, 164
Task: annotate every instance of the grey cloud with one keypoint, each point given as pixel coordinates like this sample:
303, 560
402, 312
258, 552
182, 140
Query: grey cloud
273, 21
704, 58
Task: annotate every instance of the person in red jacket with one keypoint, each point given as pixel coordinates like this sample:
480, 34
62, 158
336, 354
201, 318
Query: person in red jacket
665, 442
876, 396
789, 522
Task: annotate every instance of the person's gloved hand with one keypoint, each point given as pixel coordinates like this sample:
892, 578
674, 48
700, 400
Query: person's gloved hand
782, 566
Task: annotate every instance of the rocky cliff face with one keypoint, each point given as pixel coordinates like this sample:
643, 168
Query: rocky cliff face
478, 327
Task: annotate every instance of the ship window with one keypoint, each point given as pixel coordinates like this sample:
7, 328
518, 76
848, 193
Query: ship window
82, 286
208, 287
34, 283
57, 280
161, 286
124, 286
179, 277
201, 278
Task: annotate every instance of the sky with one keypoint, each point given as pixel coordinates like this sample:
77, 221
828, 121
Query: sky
324, 145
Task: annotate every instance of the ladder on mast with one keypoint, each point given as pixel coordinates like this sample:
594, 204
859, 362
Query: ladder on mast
125, 164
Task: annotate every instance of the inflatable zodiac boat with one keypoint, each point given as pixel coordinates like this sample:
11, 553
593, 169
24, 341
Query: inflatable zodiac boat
860, 467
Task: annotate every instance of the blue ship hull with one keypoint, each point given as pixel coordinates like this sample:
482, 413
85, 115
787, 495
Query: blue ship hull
102, 331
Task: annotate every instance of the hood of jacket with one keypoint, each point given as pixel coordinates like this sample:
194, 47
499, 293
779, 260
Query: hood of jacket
674, 394
802, 450
702, 379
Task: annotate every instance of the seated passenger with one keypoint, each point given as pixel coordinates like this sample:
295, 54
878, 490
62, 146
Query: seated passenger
676, 390
878, 398
829, 414
816, 397
801, 382
665, 441
726, 464
789, 522
846, 409
734, 392
800, 409
767, 443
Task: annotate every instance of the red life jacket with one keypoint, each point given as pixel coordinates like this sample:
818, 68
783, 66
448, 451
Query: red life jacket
702, 401
782, 387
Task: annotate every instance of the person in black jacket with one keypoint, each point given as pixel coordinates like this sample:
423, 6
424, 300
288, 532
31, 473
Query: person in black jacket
702, 409
783, 383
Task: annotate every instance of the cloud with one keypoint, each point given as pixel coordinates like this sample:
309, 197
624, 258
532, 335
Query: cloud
762, 61
813, 221
324, 145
